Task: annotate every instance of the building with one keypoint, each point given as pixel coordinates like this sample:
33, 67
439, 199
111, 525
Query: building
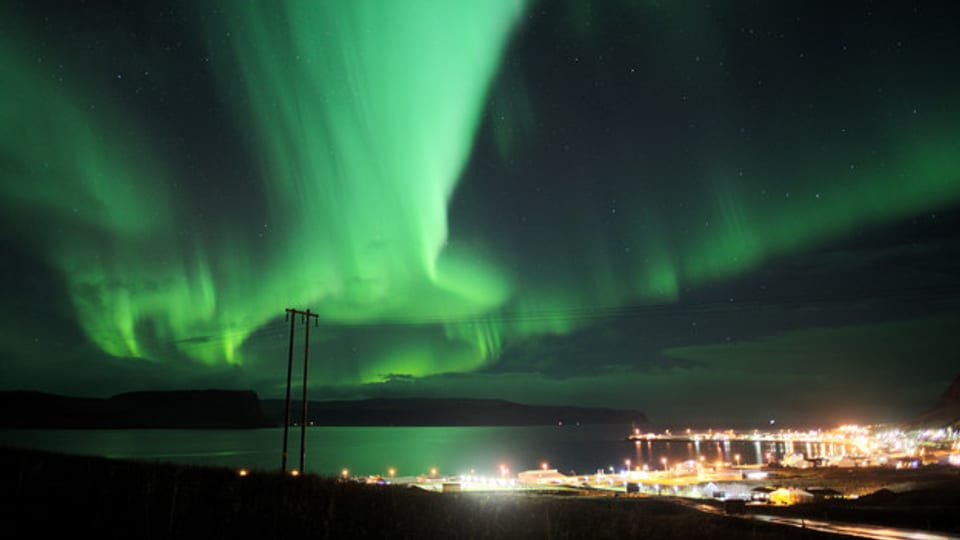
761, 493
824, 494
797, 461
788, 496
542, 477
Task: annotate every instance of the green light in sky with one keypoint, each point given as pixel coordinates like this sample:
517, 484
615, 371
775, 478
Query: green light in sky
361, 116
364, 114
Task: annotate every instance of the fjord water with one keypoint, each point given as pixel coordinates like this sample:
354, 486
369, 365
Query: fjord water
408, 450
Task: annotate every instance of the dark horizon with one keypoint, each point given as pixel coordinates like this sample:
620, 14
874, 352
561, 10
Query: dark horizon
152, 408
713, 213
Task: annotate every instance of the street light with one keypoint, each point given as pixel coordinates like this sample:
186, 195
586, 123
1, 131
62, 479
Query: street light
627, 463
737, 457
544, 465
664, 461
391, 472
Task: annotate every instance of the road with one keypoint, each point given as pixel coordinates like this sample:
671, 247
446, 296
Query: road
877, 532
852, 529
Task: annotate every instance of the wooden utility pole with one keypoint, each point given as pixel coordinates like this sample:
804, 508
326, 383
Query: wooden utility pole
286, 410
303, 418
305, 318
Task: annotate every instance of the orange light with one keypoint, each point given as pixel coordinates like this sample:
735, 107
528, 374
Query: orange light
392, 472
433, 471
243, 472
294, 472
345, 473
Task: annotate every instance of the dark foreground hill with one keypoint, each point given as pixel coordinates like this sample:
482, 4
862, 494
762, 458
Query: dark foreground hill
446, 412
59, 496
174, 409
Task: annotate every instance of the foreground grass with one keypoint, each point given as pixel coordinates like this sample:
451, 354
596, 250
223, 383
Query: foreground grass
934, 508
47, 493
863, 481
927, 498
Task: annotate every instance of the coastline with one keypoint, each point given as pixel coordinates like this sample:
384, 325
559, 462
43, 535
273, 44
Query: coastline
116, 498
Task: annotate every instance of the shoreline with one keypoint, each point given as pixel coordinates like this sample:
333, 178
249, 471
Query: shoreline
52, 492
159, 499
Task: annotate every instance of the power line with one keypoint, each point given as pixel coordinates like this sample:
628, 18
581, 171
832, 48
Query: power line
305, 318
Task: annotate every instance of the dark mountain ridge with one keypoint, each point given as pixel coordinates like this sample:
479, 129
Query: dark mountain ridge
946, 412
243, 409
446, 412
168, 409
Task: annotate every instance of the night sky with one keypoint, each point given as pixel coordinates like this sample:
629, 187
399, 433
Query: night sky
714, 212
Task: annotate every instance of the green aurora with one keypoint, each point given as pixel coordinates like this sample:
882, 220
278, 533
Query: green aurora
361, 127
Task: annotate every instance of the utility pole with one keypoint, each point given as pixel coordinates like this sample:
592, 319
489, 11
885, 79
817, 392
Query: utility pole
306, 358
286, 412
304, 317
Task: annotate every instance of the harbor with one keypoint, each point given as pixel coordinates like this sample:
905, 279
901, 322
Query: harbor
785, 477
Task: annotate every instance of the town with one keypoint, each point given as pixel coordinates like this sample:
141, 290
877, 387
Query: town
783, 478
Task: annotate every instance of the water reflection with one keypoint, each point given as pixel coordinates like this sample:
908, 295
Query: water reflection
415, 450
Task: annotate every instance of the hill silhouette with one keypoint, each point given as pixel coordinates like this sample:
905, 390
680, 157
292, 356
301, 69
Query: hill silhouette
447, 412
168, 409
243, 409
946, 412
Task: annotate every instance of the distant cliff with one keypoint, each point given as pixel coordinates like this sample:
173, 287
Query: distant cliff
174, 409
242, 409
944, 413
445, 412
